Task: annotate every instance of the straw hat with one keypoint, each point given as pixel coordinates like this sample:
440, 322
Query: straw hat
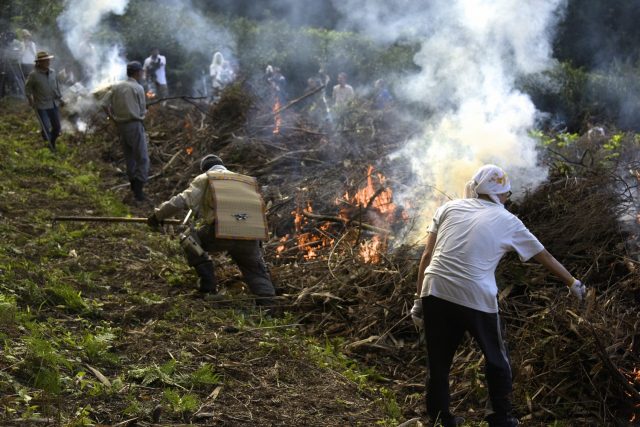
42, 55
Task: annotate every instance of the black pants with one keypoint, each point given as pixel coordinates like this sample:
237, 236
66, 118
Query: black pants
247, 254
445, 324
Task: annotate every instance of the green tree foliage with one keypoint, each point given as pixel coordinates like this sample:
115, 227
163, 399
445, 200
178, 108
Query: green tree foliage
298, 51
33, 14
594, 33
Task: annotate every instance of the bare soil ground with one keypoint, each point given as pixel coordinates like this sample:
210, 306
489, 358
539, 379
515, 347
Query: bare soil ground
140, 346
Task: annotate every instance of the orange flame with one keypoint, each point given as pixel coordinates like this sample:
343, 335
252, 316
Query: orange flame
377, 198
277, 119
282, 246
371, 251
189, 150
307, 242
150, 94
374, 197
380, 200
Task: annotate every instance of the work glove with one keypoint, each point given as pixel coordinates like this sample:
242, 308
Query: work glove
578, 289
154, 223
416, 313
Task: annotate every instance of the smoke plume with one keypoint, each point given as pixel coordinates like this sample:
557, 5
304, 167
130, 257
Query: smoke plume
471, 53
80, 22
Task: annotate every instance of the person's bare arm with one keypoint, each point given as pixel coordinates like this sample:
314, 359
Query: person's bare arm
554, 266
425, 260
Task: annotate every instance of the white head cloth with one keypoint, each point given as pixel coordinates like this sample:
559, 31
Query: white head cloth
490, 180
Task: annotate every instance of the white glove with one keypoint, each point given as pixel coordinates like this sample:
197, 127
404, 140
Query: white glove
416, 313
578, 289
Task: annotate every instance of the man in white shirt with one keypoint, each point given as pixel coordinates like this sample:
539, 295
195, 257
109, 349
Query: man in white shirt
342, 92
155, 68
458, 291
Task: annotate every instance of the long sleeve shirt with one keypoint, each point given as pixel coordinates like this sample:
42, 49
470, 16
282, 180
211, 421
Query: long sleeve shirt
42, 86
127, 101
195, 197
342, 95
28, 52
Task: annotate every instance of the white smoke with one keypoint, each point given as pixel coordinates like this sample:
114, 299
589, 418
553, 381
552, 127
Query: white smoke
195, 32
472, 52
101, 63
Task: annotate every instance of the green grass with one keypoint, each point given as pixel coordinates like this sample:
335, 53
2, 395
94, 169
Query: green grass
108, 297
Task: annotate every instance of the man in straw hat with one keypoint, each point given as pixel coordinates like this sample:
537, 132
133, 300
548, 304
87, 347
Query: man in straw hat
43, 93
457, 289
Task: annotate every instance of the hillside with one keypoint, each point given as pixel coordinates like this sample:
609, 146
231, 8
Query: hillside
101, 323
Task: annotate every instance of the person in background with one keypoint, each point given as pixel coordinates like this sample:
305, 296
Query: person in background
155, 69
457, 289
43, 94
11, 80
278, 84
324, 79
315, 105
342, 92
124, 102
28, 53
383, 98
221, 74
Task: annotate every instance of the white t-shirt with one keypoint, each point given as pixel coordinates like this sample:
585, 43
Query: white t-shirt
161, 76
28, 52
342, 95
472, 237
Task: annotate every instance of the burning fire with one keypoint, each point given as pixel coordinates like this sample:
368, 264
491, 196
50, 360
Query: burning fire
277, 120
380, 200
150, 94
371, 250
189, 150
374, 199
307, 242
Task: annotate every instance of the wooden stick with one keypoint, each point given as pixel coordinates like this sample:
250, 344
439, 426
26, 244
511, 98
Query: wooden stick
345, 222
110, 219
293, 102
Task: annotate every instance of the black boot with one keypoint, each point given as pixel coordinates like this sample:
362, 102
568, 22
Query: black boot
207, 282
136, 187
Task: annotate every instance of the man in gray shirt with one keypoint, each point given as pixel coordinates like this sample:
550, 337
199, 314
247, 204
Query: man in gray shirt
125, 104
43, 93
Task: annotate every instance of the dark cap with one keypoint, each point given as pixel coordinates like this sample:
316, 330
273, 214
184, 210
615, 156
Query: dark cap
209, 161
133, 66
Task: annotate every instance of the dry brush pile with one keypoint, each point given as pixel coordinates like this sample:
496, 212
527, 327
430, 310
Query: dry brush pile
337, 259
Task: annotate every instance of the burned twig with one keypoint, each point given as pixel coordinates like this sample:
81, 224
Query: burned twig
346, 222
292, 103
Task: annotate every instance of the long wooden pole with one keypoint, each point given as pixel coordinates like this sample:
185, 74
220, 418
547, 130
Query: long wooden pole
110, 219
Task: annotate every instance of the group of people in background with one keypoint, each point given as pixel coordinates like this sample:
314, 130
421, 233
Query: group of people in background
28, 72
17, 59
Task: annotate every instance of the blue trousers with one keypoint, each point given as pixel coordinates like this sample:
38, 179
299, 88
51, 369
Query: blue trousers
134, 146
50, 121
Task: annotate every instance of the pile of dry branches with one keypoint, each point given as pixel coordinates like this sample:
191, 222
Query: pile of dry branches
570, 361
